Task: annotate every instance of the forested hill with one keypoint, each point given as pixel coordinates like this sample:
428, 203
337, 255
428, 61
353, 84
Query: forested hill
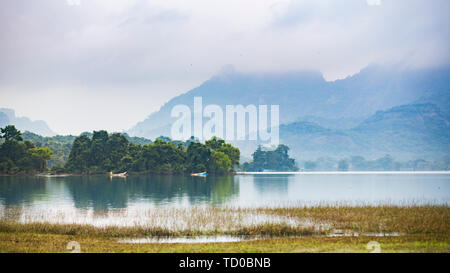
406, 132
100, 152
307, 94
61, 145
114, 153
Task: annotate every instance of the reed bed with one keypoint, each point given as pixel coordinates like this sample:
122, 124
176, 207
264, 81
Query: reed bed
194, 221
427, 219
153, 222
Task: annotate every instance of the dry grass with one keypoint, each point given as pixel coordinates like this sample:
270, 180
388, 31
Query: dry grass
32, 242
408, 220
235, 221
422, 229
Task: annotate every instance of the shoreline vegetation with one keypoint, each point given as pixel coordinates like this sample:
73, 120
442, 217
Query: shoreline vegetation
104, 153
50, 174
316, 229
29, 153
327, 228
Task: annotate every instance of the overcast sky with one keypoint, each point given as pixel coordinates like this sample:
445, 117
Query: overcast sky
82, 65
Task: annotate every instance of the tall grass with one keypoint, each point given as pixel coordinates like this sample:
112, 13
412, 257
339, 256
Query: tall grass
194, 221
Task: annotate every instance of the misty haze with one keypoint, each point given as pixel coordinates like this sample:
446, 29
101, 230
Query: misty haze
225, 126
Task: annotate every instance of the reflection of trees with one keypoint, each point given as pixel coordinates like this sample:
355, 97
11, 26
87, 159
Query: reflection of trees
271, 183
225, 187
172, 188
16, 191
98, 192
102, 193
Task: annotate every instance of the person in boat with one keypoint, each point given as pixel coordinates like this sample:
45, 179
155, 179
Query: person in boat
118, 174
199, 174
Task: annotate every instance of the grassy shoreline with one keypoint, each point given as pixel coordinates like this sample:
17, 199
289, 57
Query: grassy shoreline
55, 243
420, 229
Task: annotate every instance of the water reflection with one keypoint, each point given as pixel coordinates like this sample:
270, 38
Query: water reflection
97, 192
21, 190
102, 193
275, 184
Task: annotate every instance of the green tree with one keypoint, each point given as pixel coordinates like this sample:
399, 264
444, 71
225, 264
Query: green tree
41, 155
232, 152
11, 133
17, 156
259, 160
118, 148
99, 149
219, 163
215, 143
163, 157
100, 152
79, 157
277, 160
197, 157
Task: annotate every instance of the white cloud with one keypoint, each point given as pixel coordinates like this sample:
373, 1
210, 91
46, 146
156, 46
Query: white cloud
154, 50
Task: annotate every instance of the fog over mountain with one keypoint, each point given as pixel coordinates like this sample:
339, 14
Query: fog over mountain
361, 114
406, 132
8, 116
107, 64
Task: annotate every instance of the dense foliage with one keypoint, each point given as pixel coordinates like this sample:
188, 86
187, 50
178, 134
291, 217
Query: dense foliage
115, 153
276, 160
59, 145
18, 156
62, 145
100, 152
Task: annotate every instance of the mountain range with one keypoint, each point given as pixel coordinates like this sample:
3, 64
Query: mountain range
380, 110
8, 116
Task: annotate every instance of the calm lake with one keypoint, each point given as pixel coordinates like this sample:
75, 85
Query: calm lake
101, 193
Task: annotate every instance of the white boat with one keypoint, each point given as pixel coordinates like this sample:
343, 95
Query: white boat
124, 174
203, 174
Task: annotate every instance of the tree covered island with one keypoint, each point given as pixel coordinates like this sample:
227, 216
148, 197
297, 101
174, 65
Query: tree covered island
100, 152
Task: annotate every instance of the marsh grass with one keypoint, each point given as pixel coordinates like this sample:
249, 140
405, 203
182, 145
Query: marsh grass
196, 221
429, 219
32, 242
299, 229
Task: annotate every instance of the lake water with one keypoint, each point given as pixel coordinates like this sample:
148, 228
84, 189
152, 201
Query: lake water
103, 193
180, 203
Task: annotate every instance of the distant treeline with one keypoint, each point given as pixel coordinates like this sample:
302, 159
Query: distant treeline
61, 145
101, 152
18, 156
276, 160
385, 163
105, 152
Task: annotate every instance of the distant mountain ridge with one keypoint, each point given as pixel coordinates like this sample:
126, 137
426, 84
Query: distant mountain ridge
307, 93
407, 131
381, 109
8, 116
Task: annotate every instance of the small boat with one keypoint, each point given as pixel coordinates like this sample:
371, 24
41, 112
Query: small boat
203, 174
44, 175
124, 174
52, 175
